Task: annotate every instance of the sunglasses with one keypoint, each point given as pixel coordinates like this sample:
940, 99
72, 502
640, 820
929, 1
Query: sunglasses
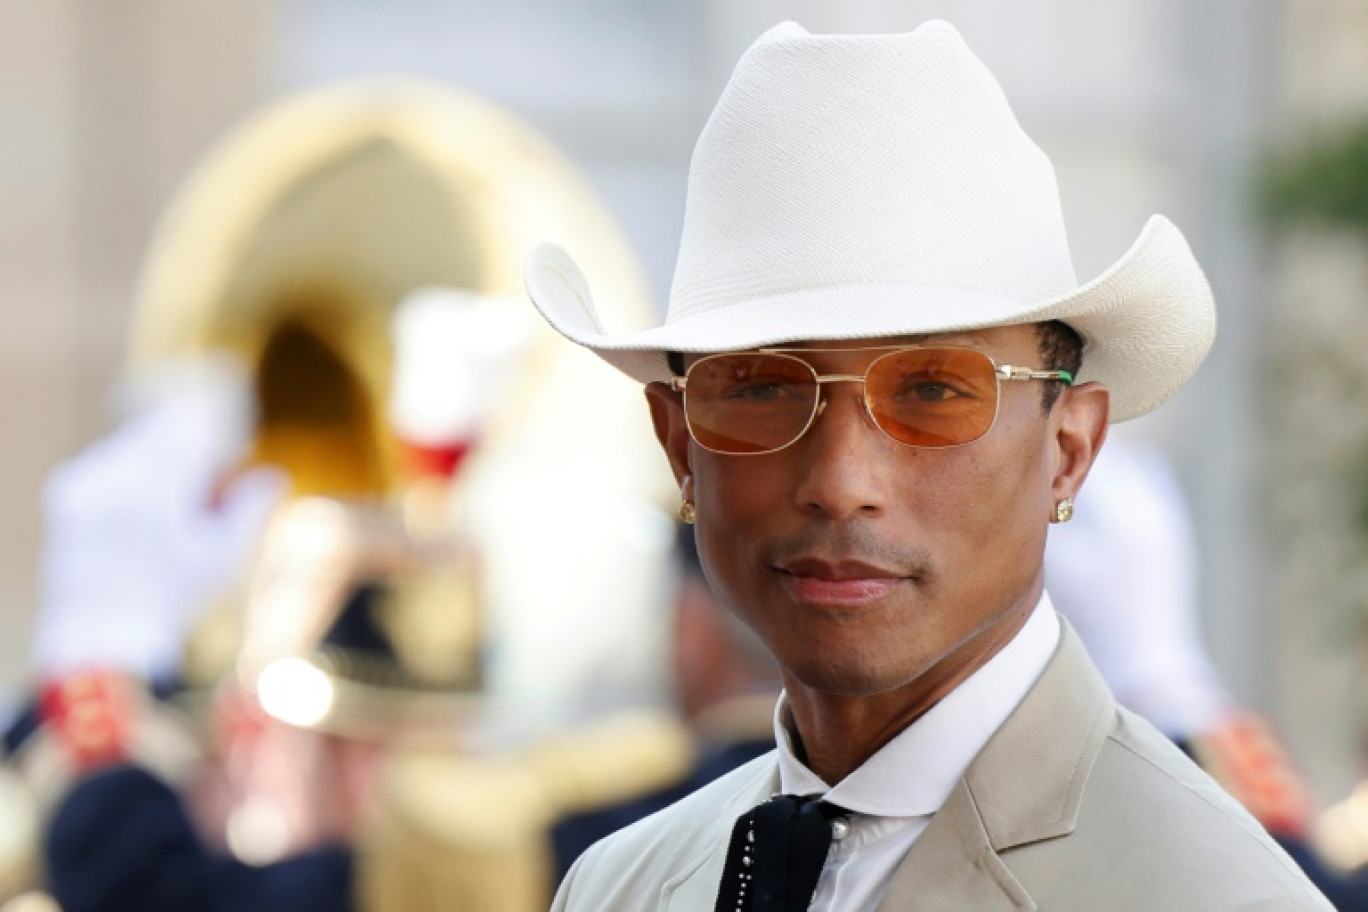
762, 401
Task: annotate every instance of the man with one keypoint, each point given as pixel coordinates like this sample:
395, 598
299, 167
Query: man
864, 387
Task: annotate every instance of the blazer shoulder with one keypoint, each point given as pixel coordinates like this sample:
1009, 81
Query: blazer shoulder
629, 867
1140, 766
1154, 827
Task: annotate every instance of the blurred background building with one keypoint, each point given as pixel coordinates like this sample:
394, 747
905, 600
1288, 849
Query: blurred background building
1145, 105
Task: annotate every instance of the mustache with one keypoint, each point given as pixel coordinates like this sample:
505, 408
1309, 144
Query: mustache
853, 542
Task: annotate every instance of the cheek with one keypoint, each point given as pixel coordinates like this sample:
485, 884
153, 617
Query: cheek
978, 506
998, 504
724, 512
736, 506
736, 492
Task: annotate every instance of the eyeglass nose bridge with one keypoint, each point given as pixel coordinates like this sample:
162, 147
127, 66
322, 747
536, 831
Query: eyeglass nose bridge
822, 399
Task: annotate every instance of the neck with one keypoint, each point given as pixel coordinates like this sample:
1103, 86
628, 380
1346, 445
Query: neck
836, 733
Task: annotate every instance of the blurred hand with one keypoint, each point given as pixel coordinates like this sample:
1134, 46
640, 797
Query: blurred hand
145, 527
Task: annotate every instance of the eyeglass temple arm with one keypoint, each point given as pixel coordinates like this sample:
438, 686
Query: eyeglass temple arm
1011, 372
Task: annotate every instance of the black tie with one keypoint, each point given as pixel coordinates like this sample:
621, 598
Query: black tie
776, 855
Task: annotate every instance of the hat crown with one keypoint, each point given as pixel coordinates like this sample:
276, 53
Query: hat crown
833, 161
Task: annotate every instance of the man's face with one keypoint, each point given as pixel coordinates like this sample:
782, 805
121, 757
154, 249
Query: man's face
867, 565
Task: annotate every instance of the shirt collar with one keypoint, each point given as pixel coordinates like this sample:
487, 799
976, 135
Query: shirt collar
914, 773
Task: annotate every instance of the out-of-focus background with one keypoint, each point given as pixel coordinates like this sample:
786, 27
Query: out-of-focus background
1184, 107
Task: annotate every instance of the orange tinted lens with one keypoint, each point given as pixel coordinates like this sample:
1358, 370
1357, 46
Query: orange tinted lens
749, 403
933, 397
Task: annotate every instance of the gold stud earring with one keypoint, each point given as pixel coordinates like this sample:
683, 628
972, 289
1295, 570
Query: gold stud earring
1063, 511
687, 513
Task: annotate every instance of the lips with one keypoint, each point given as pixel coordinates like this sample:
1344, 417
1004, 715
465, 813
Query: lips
837, 583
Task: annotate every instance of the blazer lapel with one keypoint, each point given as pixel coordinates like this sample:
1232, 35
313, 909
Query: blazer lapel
1027, 783
1025, 786
952, 867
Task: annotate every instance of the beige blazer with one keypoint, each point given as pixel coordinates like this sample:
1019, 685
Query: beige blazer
1074, 804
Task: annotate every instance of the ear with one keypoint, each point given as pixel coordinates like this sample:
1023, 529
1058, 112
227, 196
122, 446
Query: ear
667, 415
1080, 416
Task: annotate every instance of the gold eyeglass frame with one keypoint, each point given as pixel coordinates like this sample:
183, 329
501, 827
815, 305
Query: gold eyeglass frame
1000, 372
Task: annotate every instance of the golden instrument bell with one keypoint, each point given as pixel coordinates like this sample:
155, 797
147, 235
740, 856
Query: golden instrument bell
290, 247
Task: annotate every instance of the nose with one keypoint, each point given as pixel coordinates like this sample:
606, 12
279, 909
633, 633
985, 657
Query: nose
843, 458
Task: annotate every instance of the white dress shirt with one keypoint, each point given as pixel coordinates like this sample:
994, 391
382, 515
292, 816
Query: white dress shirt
893, 795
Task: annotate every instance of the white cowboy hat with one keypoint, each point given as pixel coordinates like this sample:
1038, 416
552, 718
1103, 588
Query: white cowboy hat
864, 186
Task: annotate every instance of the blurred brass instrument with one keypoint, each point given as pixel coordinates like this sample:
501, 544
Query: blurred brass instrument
291, 245
290, 248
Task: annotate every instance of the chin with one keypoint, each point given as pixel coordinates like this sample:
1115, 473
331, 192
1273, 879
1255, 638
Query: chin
851, 676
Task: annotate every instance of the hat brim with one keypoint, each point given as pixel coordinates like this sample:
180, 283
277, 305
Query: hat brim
1147, 321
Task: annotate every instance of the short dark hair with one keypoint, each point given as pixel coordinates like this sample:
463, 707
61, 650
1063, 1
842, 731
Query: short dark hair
1061, 348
